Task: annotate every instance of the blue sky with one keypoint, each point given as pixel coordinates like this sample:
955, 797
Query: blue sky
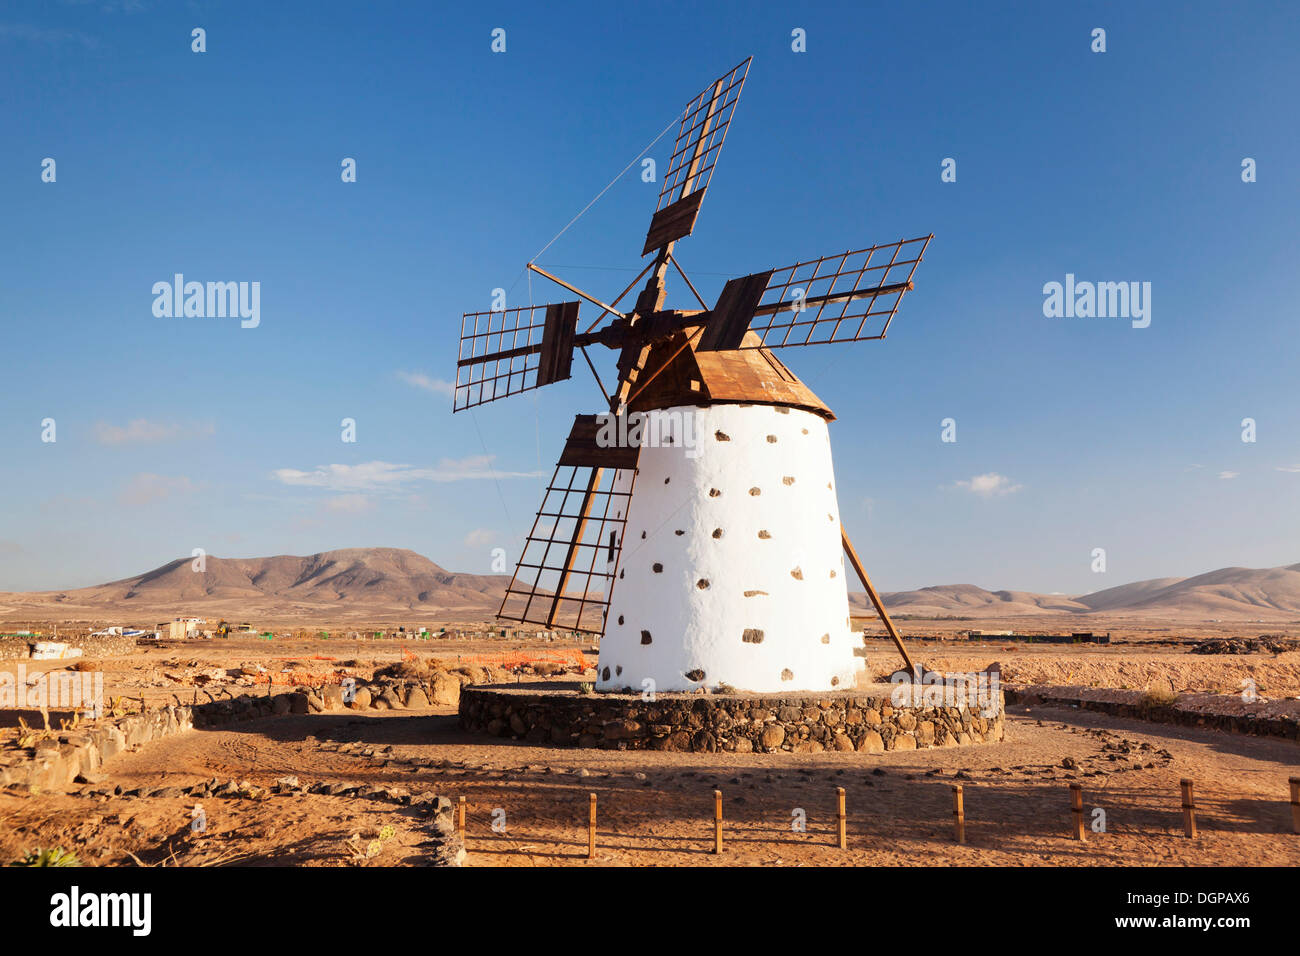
181, 433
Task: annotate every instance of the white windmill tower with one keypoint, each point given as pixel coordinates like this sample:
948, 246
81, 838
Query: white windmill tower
695, 526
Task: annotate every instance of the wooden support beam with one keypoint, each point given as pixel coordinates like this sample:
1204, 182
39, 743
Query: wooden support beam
630, 368
591, 830
578, 528
599, 383
831, 298
575, 290
500, 356
958, 814
715, 104
641, 386
875, 599
691, 285
1295, 803
619, 297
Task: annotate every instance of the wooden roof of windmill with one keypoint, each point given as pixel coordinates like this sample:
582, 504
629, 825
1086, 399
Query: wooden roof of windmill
688, 375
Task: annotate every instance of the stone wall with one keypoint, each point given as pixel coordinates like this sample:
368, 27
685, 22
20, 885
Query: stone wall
92, 647
1183, 713
845, 721
59, 757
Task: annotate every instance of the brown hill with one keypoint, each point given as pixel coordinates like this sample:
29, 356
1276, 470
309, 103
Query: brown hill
1226, 594
349, 583
952, 600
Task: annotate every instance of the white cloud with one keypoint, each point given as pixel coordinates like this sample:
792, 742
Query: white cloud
23, 31
479, 538
1293, 469
349, 504
141, 430
146, 487
110, 6
437, 386
1225, 475
372, 475
990, 485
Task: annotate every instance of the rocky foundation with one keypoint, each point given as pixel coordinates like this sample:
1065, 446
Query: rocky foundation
861, 720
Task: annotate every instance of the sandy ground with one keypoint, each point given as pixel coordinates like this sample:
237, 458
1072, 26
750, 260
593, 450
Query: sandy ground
656, 808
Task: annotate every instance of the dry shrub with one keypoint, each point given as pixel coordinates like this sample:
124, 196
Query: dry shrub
1158, 697
479, 674
407, 668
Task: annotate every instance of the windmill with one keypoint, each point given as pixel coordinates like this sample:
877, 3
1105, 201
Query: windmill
694, 526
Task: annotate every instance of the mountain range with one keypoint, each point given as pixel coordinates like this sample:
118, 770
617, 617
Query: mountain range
382, 584
1226, 594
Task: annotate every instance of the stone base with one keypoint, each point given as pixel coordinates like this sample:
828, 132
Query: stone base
863, 719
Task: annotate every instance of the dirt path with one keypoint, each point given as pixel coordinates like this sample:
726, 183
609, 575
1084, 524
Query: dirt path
656, 808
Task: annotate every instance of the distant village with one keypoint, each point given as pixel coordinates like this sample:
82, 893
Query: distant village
198, 628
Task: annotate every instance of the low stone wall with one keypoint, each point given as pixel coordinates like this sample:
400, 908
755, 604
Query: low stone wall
115, 645
59, 757
1265, 719
858, 720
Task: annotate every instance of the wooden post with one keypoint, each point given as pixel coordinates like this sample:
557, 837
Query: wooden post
844, 837
959, 813
717, 821
591, 830
461, 823
1189, 808
1076, 809
856, 562
1295, 804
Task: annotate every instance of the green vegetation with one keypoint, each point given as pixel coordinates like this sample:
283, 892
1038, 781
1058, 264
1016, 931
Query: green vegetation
54, 856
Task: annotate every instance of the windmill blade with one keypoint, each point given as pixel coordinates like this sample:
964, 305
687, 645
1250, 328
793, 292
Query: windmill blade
512, 351
566, 573
849, 297
699, 140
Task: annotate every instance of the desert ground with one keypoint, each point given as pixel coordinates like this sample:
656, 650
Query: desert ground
370, 769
